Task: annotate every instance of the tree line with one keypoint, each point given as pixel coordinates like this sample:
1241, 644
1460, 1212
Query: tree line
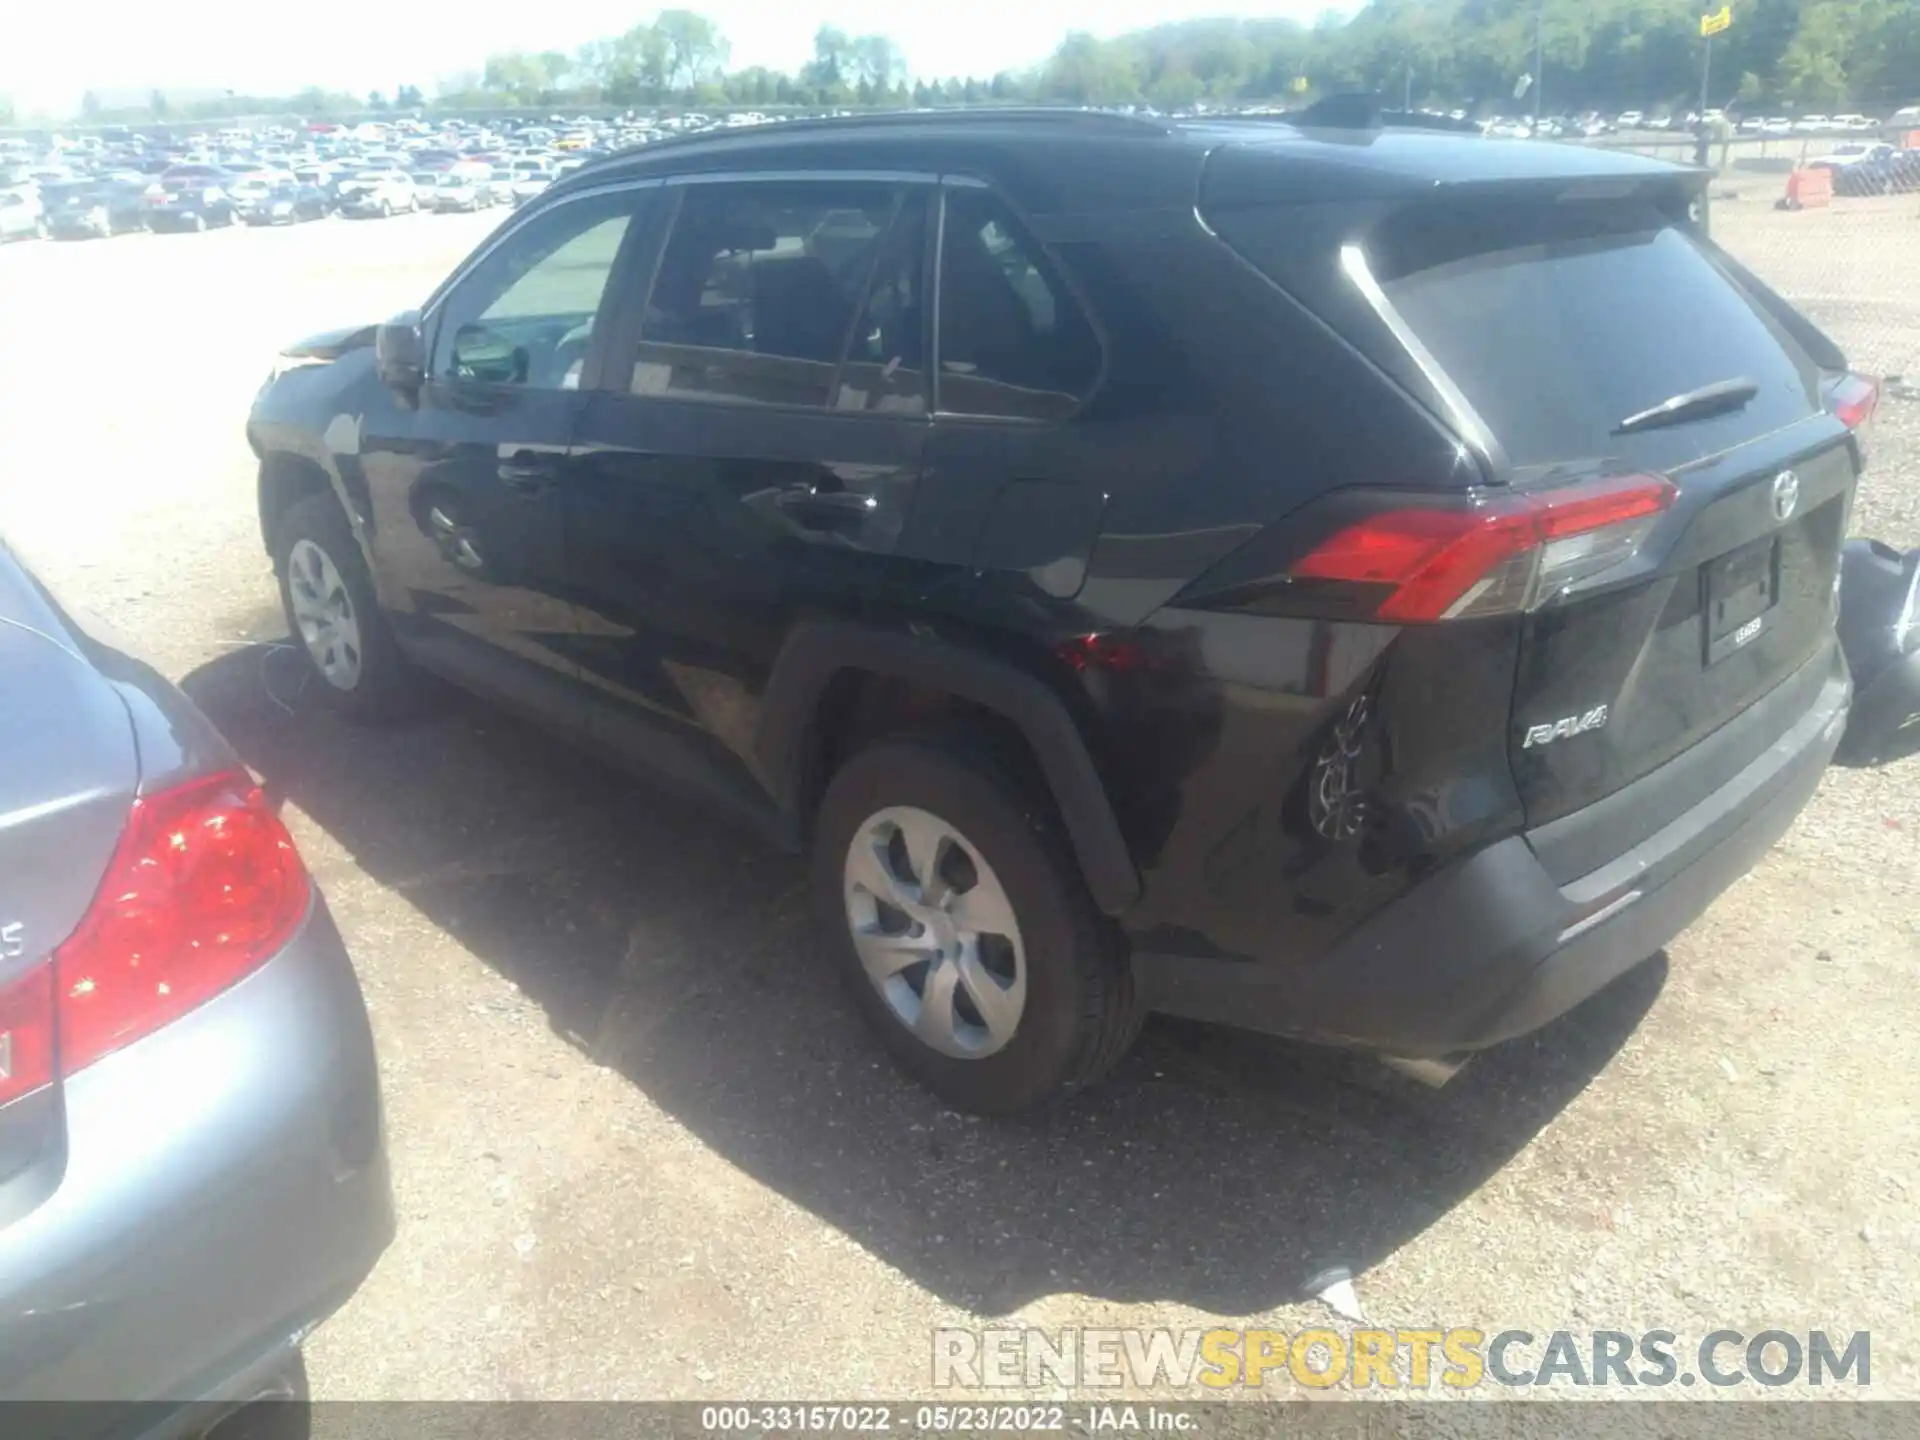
1602, 54
1591, 53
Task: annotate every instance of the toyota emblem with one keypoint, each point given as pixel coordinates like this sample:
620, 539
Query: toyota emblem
1786, 494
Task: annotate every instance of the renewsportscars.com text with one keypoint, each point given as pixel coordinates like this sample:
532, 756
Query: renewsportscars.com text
1459, 1358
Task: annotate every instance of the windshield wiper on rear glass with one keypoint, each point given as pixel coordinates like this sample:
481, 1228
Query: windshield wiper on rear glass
1715, 399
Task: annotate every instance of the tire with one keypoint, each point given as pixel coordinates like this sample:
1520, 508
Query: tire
199, 223
383, 683
386, 209
1079, 1013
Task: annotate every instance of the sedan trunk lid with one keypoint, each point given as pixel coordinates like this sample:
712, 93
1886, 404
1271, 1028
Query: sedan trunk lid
68, 774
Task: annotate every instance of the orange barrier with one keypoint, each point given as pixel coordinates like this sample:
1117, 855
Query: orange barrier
1809, 188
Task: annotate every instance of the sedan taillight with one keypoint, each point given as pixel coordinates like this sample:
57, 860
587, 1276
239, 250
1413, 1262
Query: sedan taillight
203, 887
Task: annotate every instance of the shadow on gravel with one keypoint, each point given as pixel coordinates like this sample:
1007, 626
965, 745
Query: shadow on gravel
1217, 1169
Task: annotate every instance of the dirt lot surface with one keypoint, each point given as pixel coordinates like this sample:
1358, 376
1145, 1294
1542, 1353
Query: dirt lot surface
641, 1148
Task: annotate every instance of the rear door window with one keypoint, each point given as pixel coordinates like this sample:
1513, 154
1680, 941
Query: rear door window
758, 290
1557, 322
1014, 341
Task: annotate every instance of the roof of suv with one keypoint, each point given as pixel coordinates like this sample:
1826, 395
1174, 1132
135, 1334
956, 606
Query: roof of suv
1064, 159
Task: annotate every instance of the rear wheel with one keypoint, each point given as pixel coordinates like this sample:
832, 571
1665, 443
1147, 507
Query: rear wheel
965, 931
334, 617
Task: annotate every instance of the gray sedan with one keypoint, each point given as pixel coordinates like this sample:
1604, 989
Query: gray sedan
192, 1167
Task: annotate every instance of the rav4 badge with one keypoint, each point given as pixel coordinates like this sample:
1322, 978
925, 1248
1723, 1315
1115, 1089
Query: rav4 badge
1563, 729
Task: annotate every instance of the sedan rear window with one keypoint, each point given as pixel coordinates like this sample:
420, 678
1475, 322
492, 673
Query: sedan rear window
1559, 321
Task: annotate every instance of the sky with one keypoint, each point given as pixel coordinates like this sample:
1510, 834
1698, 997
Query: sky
254, 47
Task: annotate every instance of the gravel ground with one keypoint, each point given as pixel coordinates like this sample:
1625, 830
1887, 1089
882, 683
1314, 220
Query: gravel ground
642, 1150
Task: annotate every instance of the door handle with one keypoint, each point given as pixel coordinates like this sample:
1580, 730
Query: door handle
803, 502
528, 472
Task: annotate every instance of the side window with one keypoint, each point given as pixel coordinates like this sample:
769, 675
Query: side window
1013, 339
525, 315
885, 369
757, 290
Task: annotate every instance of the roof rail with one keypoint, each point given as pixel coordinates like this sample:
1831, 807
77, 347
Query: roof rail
884, 119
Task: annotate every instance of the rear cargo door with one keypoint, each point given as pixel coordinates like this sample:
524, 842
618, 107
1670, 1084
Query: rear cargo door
1599, 336
68, 772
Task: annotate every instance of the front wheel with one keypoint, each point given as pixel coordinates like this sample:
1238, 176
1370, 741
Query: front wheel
965, 931
334, 617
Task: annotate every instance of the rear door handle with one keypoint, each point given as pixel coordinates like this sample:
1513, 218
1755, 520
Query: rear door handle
528, 472
803, 502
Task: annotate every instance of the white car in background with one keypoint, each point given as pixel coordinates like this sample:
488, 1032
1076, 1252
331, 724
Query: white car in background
378, 193
1842, 157
21, 217
530, 177
255, 186
460, 190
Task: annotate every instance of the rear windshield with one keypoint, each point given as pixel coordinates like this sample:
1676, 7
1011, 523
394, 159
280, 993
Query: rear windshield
1558, 322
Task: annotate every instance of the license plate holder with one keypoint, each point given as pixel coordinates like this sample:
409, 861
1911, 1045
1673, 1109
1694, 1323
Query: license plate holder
1738, 592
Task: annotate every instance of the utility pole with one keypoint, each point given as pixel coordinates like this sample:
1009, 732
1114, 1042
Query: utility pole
1703, 145
1706, 75
1539, 62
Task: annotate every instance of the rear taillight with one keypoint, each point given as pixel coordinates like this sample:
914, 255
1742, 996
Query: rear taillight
1420, 563
204, 886
1854, 399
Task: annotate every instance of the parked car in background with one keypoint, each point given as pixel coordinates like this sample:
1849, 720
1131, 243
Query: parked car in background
499, 185
189, 197
192, 1166
21, 214
895, 531
245, 187
89, 209
1870, 169
530, 178
455, 191
287, 202
325, 178
378, 193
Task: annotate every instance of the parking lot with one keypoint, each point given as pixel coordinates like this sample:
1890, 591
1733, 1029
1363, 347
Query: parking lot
642, 1149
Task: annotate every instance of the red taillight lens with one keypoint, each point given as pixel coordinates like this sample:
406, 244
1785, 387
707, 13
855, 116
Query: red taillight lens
1509, 553
26, 1033
1111, 653
1855, 399
204, 886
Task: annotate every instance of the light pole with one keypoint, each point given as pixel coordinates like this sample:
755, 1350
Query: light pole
1539, 63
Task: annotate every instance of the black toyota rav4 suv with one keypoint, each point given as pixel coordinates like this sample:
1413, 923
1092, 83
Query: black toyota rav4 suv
1357, 583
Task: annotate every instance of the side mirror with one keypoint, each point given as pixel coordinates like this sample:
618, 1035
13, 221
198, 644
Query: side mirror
400, 352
